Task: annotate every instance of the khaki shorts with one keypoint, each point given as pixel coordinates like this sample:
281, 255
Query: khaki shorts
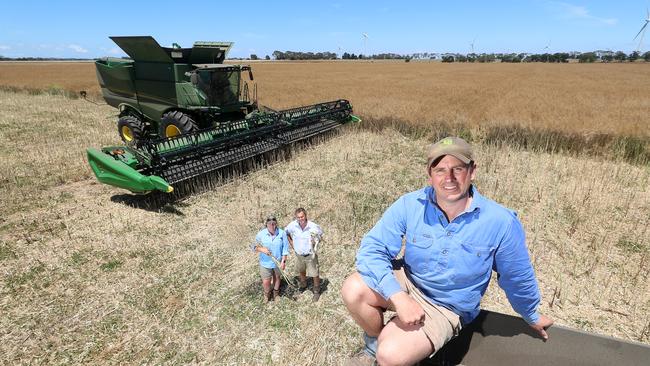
268, 272
306, 264
440, 323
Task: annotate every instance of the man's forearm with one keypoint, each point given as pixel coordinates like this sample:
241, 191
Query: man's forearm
290, 241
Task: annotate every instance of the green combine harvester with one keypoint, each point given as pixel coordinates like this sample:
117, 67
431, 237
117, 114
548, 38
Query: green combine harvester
183, 113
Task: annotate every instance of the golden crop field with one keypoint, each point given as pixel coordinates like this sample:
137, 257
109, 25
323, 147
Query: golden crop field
89, 276
587, 99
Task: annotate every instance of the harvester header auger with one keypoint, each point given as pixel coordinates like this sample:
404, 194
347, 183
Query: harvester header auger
159, 164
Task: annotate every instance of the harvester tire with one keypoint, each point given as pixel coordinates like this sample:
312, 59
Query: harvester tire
176, 123
130, 128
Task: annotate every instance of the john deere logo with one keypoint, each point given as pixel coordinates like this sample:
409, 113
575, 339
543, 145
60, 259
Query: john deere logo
447, 141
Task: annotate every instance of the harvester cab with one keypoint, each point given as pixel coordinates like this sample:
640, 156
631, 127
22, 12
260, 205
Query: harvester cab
183, 113
165, 92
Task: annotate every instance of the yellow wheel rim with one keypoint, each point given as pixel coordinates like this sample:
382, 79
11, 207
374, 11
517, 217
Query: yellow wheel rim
127, 134
171, 131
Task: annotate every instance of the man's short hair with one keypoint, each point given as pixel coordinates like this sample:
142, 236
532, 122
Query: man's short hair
454, 146
300, 209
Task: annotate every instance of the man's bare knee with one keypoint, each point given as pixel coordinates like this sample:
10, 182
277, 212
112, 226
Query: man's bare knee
353, 289
401, 344
391, 353
388, 349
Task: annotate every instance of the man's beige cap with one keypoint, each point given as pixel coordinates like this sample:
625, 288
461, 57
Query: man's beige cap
271, 218
454, 146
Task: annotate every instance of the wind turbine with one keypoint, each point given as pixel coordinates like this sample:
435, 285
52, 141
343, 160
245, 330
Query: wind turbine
364, 35
642, 30
472, 45
545, 50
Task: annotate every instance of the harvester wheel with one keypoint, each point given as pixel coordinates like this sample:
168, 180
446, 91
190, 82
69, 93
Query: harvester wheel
176, 123
130, 128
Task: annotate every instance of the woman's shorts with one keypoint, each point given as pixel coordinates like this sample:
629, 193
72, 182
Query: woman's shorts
268, 272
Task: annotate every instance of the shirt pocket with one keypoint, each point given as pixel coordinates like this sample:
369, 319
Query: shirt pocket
417, 252
473, 263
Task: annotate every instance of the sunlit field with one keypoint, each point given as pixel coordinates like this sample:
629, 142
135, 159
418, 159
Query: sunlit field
577, 98
86, 276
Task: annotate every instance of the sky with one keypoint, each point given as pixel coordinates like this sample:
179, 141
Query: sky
80, 29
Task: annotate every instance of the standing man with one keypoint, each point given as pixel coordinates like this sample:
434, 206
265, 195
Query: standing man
271, 242
454, 239
304, 237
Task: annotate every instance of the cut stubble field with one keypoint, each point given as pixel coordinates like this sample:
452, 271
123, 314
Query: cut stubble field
87, 277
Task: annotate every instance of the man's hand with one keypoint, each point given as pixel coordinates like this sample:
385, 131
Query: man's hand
542, 324
408, 310
283, 264
264, 250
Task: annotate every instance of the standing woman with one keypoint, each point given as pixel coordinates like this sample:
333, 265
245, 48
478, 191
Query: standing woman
271, 241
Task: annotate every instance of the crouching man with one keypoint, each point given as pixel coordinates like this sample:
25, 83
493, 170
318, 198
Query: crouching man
454, 238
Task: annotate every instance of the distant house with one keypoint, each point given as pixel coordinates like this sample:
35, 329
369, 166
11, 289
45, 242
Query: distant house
601, 53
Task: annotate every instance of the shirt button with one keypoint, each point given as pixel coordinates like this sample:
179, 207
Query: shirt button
444, 251
448, 233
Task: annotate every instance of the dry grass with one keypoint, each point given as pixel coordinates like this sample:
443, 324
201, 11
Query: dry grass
35, 76
572, 98
599, 109
85, 277
42, 144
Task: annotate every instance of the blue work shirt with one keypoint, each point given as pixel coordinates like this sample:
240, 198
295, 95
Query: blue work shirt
277, 244
451, 262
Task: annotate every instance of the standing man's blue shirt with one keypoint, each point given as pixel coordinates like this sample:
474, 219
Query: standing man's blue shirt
451, 262
277, 244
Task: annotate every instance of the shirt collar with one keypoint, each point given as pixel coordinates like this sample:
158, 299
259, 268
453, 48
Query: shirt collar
478, 201
307, 225
266, 230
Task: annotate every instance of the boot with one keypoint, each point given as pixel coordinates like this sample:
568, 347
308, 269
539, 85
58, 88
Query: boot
316, 294
276, 294
268, 297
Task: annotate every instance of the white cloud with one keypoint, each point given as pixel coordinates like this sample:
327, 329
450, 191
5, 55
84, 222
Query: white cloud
4, 48
570, 11
77, 48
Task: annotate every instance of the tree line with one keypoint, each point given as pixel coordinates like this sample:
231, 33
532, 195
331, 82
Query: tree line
558, 57
297, 55
3, 58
